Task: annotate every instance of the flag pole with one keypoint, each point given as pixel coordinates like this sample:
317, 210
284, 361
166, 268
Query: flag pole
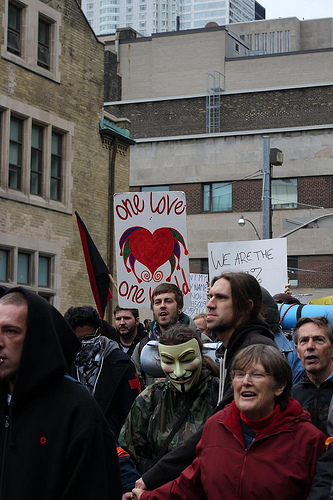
113, 282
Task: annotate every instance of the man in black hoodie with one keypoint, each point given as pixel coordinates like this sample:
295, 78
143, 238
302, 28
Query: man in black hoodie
55, 443
234, 306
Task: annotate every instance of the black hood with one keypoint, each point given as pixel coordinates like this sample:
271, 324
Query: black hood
49, 348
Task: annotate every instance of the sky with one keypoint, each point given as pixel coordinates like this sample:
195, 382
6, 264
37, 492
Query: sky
307, 9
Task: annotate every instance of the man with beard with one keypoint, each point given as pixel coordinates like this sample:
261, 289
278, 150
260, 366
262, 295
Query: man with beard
313, 339
235, 302
129, 329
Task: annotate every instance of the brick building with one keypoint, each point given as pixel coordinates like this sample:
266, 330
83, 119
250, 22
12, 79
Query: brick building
200, 102
59, 151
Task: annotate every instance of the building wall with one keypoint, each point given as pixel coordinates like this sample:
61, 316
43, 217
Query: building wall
74, 97
239, 112
165, 67
176, 64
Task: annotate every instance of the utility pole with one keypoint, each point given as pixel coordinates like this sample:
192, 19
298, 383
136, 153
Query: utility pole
266, 191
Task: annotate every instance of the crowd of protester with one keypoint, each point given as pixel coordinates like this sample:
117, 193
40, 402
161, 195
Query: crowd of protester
255, 422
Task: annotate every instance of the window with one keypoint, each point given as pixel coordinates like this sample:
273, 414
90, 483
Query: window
36, 160
284, 193
217, 197
32, 38
287, 40
44, 271
30, 268
14, 29
56, 160
15, 153
264, 42
279, 41
23, 267
4, 261
271, 42
44, 44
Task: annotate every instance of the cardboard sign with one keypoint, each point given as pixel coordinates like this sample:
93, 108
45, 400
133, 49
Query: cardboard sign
151, 245
266, 260
198, 294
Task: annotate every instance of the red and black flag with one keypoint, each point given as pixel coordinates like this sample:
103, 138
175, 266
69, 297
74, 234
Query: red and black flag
98, 273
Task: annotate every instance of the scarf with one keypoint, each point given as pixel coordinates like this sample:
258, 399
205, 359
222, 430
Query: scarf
259, 424
89, 362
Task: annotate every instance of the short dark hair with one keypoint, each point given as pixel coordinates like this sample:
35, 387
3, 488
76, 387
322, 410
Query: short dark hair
179, 334
244, 287
135, 312
82, 316
273, 362
320, 321
168, 288
14, 298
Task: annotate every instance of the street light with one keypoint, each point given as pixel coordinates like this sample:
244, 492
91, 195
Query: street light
241, 222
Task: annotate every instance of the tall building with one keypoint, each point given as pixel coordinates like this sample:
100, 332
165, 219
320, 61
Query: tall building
205, 137
59, 150
160, 16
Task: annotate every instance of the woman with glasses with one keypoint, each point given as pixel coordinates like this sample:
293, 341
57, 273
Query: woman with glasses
262, 445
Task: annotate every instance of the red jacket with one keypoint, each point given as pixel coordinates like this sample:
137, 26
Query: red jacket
279, 464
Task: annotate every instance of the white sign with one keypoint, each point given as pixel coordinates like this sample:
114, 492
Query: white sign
266, 260
198, 294
151, 245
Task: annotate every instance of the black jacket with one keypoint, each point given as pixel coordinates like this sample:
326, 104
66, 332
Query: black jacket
322, 484
316, 400
117, 387
55, 443
172, 464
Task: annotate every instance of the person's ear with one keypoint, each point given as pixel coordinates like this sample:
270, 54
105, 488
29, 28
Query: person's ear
250, 306
279, 390
296, 349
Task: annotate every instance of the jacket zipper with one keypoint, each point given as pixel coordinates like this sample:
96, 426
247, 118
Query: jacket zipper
6, 425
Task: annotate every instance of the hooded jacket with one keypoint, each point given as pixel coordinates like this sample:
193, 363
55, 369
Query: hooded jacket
117, 385
280, 462
55, 443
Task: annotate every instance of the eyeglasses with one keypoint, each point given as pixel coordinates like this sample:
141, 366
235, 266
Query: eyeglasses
256, 375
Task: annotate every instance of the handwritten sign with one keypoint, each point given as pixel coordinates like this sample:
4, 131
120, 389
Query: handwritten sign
198, 289
151, 245
266, 260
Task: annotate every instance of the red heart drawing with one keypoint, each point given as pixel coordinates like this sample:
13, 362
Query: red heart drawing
152, 250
